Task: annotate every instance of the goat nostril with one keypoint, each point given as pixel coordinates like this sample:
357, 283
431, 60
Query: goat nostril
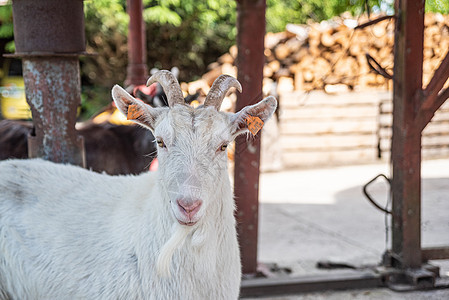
189, 206
182, 208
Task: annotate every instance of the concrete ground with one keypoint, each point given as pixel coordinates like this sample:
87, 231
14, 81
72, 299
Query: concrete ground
315, 215
373, 294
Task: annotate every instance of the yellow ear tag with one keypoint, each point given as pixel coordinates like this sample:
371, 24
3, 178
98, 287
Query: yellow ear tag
133, 112
254, 124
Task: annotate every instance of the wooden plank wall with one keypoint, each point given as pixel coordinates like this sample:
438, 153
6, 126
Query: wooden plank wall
435, 137
318, 129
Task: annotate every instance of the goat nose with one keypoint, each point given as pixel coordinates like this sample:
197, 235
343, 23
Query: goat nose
189, 207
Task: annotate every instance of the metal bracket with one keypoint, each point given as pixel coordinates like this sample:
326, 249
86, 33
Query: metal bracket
399, 279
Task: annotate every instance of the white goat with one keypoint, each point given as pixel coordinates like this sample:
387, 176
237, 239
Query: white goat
68, 233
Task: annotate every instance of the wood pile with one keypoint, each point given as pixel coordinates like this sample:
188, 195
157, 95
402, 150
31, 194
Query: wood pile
321, 129
436, 43
331, 55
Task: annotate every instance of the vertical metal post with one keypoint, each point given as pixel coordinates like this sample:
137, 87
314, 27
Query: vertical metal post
137, 71
250, 61
53, 89
406, 142
49, 36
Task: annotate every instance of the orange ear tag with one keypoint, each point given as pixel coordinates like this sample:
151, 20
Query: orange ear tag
254, 124
133, 112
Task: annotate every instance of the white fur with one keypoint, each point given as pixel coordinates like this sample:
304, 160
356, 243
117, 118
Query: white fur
166, 253
68, 233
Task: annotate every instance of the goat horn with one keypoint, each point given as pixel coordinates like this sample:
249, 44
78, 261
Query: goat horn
170, 86
219, 89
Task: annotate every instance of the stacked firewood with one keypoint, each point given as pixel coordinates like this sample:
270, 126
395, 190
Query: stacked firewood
332, 55
436, 43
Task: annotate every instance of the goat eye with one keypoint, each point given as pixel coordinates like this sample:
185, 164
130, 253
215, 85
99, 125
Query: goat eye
223, 147
160, 142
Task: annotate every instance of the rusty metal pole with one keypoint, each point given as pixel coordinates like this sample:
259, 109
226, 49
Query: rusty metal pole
406, 141
137, 71
49, 37
52, 90
250, 62
413, 108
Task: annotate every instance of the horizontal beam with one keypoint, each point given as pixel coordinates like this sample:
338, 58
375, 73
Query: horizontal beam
306, 284
435, 253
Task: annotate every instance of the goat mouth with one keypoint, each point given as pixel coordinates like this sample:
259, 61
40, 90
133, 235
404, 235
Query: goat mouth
189, 223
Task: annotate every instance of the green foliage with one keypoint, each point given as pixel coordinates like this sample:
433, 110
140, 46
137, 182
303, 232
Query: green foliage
6, 30
6, 27
188, 34
161, 15
106, 16
106, 27
441, 6
93, 100
280, 13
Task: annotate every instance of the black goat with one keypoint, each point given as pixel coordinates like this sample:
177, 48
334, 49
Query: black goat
114, 149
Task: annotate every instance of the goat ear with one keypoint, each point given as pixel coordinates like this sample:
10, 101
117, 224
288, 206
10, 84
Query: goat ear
135, 110
252, 118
